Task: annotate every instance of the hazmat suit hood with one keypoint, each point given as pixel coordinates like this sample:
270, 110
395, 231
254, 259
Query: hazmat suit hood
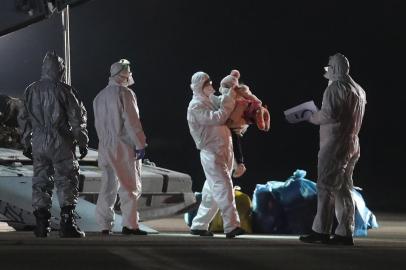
197, 82
120, 73
53, 67
338, 68
229, 81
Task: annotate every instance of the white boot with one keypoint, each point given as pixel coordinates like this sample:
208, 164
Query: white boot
239, 170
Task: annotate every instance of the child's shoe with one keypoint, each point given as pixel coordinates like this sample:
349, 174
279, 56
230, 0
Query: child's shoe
239, 170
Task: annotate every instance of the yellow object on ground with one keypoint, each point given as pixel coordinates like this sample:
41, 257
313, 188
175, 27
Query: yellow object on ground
243, 203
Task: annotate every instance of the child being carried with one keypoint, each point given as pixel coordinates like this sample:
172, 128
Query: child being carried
248, 110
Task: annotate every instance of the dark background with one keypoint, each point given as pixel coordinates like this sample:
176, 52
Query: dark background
280, 48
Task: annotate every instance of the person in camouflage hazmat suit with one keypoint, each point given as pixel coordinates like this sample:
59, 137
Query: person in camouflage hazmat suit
52, 122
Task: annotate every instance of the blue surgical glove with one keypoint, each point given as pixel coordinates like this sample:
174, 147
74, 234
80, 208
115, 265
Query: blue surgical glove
139, 154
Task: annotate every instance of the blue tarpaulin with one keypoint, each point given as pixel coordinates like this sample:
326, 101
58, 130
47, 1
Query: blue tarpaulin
289, 207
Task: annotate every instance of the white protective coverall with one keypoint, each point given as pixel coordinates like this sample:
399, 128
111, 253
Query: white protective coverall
120, 131
340, 119
213, 139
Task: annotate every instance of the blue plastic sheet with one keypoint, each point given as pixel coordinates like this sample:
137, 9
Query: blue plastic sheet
189, 216
364, 219
285, 207
289, 207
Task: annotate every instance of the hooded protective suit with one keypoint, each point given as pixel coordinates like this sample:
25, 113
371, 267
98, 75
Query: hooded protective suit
213, 139
340, 119
52, 122
120, 132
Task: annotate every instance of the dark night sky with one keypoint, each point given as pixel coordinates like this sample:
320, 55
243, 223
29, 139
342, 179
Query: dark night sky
280, 47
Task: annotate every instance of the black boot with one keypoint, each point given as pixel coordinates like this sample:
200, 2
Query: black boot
128, 231
42, 216
201, 232
69, 229
341, 240
315, 237
235, 232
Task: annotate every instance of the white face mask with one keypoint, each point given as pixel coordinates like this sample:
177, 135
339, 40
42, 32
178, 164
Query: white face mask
126, 79
130, 80
327, 73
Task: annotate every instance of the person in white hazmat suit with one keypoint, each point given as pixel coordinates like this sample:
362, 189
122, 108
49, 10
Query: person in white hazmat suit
122, 145
213, 139
340, 119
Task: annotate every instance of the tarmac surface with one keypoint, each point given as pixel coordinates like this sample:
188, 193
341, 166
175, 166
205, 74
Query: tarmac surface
175, 248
